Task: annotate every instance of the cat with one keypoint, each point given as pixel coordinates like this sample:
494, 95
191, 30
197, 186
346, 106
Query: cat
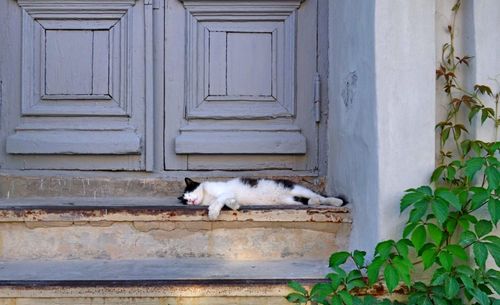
249, 191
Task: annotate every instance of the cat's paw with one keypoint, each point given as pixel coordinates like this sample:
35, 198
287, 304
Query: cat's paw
314, 201
213, 212
336, 202
232, 204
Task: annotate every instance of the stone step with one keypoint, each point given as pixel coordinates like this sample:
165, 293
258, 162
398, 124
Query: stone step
152, 228
173, 271
158, 281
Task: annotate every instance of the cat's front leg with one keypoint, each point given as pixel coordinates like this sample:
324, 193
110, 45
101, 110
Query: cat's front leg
232, 204
216, 206
214, 209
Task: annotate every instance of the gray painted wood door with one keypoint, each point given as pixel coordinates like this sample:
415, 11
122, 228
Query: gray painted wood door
240, 85
159, 84
76, 84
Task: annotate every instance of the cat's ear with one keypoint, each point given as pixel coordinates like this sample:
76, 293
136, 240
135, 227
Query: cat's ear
189, 181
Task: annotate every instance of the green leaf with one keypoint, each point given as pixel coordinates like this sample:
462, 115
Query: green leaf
336, 300
483, 227
435, 233
339, 271
438, 300
335, 279
402, 247
451, 225
321, 290
494, 249
418, 211
480, 254
346, 297
437, 173
467, 238
359, 257
493, 239
373, 270
446, 260
494, 210
296, 298
473, 113
449, 197
358, 283
467, 281
484, 115
457, 251
493, 177
439, 276
495, 284
339, 258
480, 296
354, 275
408, 229
429, 257
391, 277
440, 210
451, 287
465, 270
424, 189
472, 166
479, 197
297, 287
403, 267
450, 173
411, 198
418, 237
384, 248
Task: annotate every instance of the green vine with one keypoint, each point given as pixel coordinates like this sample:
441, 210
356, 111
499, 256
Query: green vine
449, 233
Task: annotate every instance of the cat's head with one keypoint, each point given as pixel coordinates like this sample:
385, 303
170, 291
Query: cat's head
193, 194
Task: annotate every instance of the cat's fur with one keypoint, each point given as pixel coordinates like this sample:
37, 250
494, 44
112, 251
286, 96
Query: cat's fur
249, 191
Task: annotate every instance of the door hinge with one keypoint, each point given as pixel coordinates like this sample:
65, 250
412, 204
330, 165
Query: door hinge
317, 98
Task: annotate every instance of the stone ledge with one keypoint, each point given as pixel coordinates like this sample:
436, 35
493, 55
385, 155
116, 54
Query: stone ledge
155, 209
186, 278
154, 278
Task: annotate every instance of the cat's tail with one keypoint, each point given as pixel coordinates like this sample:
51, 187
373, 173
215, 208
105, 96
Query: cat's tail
317, 200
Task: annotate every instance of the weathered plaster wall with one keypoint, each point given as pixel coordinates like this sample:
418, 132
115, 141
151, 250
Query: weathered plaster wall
382, 109
353, 155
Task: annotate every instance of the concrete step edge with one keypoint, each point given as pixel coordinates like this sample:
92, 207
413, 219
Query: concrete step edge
60, 209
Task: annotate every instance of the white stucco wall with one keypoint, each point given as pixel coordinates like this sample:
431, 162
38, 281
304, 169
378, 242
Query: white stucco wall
477, 35
405, 98
382, 109
486, 52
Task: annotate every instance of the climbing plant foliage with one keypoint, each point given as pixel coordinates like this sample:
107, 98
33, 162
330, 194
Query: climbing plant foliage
449, 234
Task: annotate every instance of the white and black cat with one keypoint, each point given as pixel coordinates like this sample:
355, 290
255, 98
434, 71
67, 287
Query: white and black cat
249, 191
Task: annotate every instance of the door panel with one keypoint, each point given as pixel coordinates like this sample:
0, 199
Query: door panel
82, 85
243, 88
